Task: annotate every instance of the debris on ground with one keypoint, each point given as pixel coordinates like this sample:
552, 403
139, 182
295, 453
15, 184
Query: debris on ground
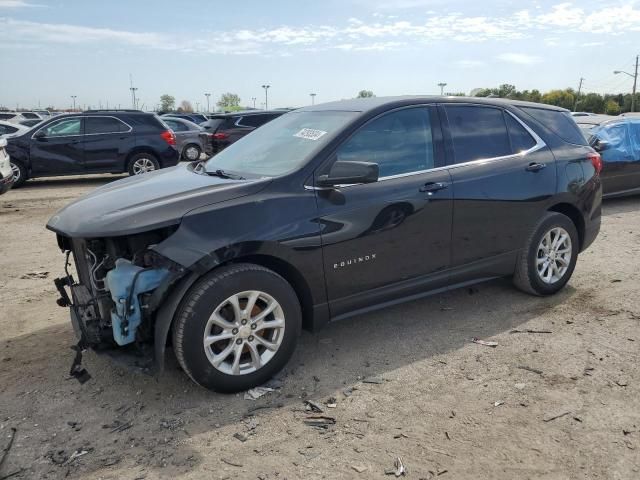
77, 454
398, 468
498, 403
232, 463
347, 392
520, 386
312, 406
554, 416
240, 436
257, 392
36, 274
359, 468
319, 421
484, 342
401, 435
332, 402
528, 330
376, 380
622, 383
530, 369
5, 450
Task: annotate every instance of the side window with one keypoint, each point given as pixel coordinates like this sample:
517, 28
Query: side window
95, 125
70, 126
176, 126
521, 140
477, 132
399, 142
5, 129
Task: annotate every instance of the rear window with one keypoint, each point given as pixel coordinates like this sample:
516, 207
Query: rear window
255, 120
7, 116
560, 123
212, 125
477, 132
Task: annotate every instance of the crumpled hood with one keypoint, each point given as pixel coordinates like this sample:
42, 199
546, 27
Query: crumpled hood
146, 202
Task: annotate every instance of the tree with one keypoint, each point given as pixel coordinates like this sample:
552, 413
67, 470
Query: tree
167, 103
185, 107
365, 94
560, 98
612, 108
229, 101
591, 102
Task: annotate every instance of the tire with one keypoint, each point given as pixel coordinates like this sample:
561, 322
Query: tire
191, 152
19, 174
213, 294
142, 163
545, 272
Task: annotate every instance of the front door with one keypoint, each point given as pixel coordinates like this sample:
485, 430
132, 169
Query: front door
57, 148
395, 232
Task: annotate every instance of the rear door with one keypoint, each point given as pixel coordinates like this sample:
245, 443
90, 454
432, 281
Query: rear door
59, 149
106, 142
502, 176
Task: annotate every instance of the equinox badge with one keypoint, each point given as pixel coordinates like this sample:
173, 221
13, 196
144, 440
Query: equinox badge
353, 261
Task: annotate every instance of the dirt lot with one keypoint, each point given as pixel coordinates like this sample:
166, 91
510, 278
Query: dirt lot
564, 404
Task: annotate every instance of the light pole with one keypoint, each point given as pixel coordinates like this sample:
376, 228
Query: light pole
266, 96
74, 101
133, 96
313, 98
207, 95
635, 81
254, 101
442, 85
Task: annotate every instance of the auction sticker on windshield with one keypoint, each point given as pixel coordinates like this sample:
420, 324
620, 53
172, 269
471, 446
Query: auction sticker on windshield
310, 134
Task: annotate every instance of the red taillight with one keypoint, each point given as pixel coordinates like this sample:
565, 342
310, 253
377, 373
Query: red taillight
596, 161
220, 136
169, 137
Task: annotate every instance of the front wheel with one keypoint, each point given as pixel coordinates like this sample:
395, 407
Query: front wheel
236, 327
547, 262
19, 174
143, 163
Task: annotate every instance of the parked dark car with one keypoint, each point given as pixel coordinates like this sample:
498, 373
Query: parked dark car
93, 142
326, 212
617, 139
196, 118
188, 140
227, 128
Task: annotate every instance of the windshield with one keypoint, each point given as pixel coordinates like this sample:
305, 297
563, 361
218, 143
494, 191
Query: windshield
281, 145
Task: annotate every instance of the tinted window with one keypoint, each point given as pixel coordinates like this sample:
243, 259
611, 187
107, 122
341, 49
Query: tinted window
6, 116
521, 140
71, 126
560, 123
477, 132
399, 142
255, 120
95, 125
29, 115
175, 126
5, 129
213, 124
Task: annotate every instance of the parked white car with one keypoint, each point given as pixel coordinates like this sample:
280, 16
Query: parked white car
8, 129
13, 117
6, 173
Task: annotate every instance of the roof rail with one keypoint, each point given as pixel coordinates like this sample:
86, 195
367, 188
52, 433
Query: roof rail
129, 110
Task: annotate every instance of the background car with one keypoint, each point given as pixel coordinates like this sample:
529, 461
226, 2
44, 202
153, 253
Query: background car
12, 117
617, 139
196, 118
6, 174
32, 115
588, 122
188, 138
7, 128
227, 128
97, 141
31, 122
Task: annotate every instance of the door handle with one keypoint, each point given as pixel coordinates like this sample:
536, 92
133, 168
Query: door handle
535, 167
431, 187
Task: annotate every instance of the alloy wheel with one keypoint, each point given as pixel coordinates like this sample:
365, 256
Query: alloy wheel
192, 153
16, 172
244, 332
143, 165
554, 255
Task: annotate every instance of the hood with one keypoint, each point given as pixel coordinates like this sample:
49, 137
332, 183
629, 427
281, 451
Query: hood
147, 202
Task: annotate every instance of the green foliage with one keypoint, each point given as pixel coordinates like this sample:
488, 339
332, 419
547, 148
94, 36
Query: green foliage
229, 101
167, 103
560, 98
611, 108
365, 94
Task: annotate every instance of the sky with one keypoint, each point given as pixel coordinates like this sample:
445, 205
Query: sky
51, 50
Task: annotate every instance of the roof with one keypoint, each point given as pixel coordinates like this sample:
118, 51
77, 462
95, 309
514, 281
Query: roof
246, 113
373, 103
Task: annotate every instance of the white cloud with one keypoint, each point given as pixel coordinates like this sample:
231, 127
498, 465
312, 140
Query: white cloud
17, 4
519, 58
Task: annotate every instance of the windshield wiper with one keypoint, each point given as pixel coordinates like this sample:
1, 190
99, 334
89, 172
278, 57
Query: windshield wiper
222, 174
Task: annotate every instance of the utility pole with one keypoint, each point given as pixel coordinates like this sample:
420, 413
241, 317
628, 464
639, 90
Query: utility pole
133, 92
266, 96
575, 106
442, 85
635, 81
313, 98
207, 95
253, 99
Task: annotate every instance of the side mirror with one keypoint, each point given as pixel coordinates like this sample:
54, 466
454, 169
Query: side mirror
601, 145
39, 135
349, 172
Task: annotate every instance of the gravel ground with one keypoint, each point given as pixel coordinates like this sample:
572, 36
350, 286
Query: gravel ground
407, 381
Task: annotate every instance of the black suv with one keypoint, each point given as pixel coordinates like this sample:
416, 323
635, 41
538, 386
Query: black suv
326, 212
226, 128
93, 142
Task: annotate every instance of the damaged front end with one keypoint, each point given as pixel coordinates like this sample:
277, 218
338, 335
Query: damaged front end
120, 286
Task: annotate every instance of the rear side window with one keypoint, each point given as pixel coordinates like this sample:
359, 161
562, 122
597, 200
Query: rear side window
560, 123
521, 140
477, 132
96, 125
176, 126
5, 129
255, 120
7, 116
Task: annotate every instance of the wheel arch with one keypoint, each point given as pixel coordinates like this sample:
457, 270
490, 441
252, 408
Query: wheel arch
574, 215
136, 150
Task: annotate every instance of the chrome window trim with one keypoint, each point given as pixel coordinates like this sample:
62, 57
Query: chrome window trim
481, 161
82, 134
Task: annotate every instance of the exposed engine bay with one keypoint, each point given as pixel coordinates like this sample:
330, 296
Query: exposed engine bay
120, 285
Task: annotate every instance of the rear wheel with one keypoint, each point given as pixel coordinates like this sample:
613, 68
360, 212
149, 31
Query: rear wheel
547, 262
236, 327
142, 163
19, 174
191, 152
